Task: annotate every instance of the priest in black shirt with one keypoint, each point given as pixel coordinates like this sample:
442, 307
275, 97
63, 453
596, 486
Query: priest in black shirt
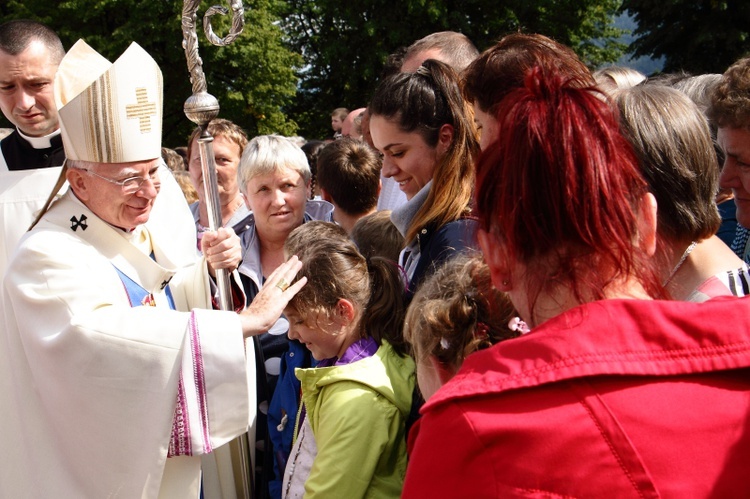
29, 55
31, 156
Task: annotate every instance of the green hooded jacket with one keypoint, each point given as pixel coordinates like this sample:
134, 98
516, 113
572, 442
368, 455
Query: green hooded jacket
357, 413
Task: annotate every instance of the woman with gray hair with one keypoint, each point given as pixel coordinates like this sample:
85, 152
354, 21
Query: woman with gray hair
671, 138
274, 178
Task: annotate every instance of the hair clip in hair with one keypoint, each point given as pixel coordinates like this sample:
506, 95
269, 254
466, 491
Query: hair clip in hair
516, 324
444, 344
423, 71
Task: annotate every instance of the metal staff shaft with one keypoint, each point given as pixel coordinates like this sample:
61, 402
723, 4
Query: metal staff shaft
239, 447
201, 108
213, 207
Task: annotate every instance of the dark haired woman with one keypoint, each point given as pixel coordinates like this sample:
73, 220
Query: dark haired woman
423, 127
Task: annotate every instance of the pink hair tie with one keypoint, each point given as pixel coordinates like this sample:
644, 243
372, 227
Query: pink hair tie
482, 331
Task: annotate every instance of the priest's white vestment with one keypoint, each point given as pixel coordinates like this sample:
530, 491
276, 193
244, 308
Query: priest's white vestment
22, 194
96, 392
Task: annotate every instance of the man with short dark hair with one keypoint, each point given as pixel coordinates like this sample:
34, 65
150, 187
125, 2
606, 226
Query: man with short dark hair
29, 55
30, 156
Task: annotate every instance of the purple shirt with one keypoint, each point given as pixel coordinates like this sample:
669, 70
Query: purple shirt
360, 349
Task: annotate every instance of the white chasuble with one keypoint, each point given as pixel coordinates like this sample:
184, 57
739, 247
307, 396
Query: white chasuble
89, 385
22, 195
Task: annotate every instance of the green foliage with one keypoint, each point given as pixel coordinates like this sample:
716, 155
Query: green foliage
253, 78
297, 60
704, 36
345, 44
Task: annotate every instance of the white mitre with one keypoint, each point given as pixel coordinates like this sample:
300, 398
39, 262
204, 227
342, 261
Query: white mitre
109, 113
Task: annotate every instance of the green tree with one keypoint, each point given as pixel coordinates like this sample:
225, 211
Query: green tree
345, 44
253, 79
336, 49
704, 36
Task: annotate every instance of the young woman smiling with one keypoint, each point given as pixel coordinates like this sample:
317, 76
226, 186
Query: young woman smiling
425, 131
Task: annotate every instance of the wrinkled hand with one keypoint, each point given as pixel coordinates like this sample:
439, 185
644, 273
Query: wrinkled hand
222, 249
272, 298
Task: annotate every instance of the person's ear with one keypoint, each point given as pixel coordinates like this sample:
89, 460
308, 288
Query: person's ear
78, 183
345, 311
647, 224
325, 196
445, 138
496, 260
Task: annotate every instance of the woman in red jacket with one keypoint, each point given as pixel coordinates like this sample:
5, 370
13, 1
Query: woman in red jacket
614, 393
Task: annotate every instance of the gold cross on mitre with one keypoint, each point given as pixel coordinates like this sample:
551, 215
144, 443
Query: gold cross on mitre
143, 109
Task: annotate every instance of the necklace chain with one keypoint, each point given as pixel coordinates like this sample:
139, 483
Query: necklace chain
684, 256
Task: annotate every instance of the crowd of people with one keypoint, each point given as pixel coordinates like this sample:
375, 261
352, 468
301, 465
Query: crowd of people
505, 276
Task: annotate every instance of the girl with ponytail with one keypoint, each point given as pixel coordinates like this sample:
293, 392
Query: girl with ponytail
425, 131
350, 430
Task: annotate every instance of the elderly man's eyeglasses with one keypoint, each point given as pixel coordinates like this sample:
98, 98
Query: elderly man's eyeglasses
130, 185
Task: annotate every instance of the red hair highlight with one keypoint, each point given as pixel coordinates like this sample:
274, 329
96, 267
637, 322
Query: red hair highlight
561, 189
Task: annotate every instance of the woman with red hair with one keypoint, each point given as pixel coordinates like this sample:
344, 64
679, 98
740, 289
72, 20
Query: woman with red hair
502, 68
614, 392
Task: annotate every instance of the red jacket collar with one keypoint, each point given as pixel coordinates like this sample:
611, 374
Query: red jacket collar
611, 337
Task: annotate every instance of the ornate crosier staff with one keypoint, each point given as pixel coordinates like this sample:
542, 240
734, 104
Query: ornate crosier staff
201, 108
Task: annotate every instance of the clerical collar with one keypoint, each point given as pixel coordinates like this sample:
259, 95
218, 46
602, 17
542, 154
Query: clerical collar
39, 142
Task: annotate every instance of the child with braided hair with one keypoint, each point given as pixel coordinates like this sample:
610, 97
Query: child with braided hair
454, 313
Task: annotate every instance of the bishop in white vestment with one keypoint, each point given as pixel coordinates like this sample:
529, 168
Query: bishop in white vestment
116, 375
